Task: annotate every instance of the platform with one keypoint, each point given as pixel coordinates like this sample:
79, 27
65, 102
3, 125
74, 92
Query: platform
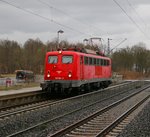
23, 90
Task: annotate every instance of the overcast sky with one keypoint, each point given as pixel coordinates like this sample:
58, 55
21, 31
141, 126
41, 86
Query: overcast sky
79, 19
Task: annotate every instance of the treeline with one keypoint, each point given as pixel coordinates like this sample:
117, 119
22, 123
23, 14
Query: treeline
31, 56
136, 58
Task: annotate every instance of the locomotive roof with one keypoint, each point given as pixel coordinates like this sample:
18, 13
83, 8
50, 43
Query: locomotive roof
78, 52
83, 50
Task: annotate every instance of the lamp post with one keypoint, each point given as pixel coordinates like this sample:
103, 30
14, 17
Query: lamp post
85, 41
59, 32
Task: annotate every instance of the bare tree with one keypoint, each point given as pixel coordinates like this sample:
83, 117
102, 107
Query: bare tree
140, 57
10, 56
34, 53
123, 59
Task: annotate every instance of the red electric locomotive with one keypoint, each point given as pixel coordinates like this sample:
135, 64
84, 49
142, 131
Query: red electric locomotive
74, 69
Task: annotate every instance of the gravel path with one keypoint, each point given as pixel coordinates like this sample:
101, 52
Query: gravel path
140, 125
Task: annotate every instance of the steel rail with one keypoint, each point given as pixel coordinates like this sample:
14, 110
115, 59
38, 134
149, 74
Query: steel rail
4, 100
29, 108
49, 103
15, 100
24, 109
121, 118
18, 95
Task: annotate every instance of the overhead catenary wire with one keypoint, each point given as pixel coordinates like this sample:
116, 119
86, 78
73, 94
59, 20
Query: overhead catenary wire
68, 15
43, 17
131, 19
142, 20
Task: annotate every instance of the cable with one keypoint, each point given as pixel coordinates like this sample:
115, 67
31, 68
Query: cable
136, 13
40, 16
61, 11
131, 19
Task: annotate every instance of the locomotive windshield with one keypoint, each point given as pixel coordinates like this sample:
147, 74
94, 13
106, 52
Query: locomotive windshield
52, 59
67, 59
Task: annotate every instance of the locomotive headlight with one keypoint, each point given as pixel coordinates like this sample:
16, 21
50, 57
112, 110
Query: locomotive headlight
70, 75
48, 74
59, 51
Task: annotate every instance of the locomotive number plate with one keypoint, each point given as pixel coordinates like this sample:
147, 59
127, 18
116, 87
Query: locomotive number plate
59, 78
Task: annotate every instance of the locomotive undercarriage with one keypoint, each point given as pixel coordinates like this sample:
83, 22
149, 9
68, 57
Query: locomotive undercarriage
73, 87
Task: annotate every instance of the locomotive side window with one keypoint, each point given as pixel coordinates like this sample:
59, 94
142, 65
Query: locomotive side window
101, 62
94, 61
86, 60
67, 59
81, 59
90, 61
52, 59
104, 62
107, 62
97, 62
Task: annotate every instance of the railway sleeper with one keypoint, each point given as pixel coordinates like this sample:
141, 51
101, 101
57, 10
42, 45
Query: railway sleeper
83, 133
87, 130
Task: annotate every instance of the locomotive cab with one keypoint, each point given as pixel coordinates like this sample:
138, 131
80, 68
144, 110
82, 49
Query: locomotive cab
61, 70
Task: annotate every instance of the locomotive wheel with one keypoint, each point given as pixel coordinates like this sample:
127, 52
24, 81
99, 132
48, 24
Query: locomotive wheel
87, 88
76, 91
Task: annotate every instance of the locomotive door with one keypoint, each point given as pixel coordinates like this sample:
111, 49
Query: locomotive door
81, 68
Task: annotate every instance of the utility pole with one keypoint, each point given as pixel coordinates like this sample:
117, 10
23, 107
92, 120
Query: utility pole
118, 45
108, 48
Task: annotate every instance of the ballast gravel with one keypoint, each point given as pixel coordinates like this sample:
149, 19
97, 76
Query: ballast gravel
139, 126
24, 120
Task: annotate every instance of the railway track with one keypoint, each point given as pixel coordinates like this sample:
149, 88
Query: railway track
42, 104
102, 122
119, 124
19, 99
31, 127
13, 109
26, 108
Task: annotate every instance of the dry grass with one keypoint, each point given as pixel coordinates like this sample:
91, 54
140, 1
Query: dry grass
19, 86
7, 75
132, 75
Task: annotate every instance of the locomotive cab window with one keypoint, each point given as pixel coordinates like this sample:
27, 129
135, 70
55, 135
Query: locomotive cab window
52, 59
67, 59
